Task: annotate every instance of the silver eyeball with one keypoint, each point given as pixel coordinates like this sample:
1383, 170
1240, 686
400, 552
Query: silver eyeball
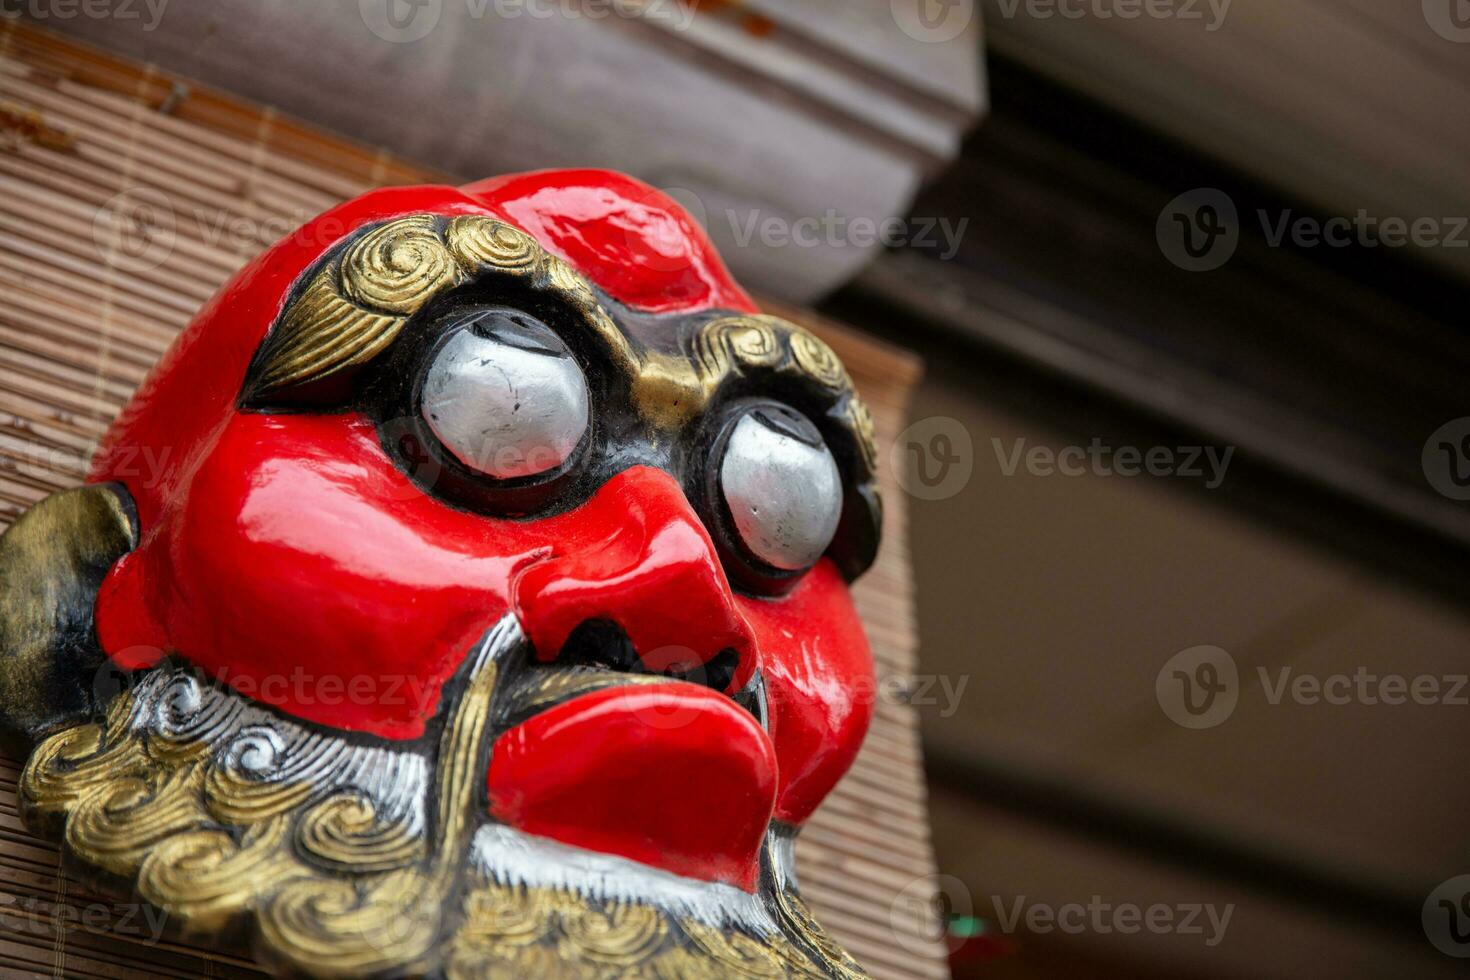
782, 488
506, 397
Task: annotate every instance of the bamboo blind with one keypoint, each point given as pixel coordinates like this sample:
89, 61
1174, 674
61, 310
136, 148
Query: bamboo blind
80, 325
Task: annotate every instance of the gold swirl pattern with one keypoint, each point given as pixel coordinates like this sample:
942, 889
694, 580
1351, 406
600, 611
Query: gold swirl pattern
116, 825
622, 936
818, 361
75, 763
350, 313
478, 242
345, 833
209, 878
522, 930
399, 267
511, 961
235, 798
155, 815
526, 931
498, 916
566, 280
385, 923
860, 421
745, 956
393, 921
734, 343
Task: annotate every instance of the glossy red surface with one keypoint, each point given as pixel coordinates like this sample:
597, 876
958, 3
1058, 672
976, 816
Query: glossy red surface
290, 556
634, 241
819, 685
674, 776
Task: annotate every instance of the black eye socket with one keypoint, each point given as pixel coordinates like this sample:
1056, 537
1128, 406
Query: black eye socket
487, 407
774, 494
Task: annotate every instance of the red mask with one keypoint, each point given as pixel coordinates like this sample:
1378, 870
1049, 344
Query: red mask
539, 396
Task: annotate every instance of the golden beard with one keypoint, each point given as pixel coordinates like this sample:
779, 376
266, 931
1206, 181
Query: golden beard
352, 860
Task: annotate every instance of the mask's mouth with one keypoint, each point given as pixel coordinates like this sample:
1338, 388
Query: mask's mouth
671, 769
597, 656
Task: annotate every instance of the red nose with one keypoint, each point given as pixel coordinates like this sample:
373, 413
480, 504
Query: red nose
642, 559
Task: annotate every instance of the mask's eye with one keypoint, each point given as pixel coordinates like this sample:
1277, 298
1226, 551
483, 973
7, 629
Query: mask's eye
781, 487
505, 396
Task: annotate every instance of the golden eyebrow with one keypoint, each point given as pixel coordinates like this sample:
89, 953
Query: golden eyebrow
360, 297
736, 346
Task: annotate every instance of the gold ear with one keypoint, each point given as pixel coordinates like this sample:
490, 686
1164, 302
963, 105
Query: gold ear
52, 562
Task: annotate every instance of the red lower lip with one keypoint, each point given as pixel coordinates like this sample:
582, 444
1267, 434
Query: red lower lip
671, 775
